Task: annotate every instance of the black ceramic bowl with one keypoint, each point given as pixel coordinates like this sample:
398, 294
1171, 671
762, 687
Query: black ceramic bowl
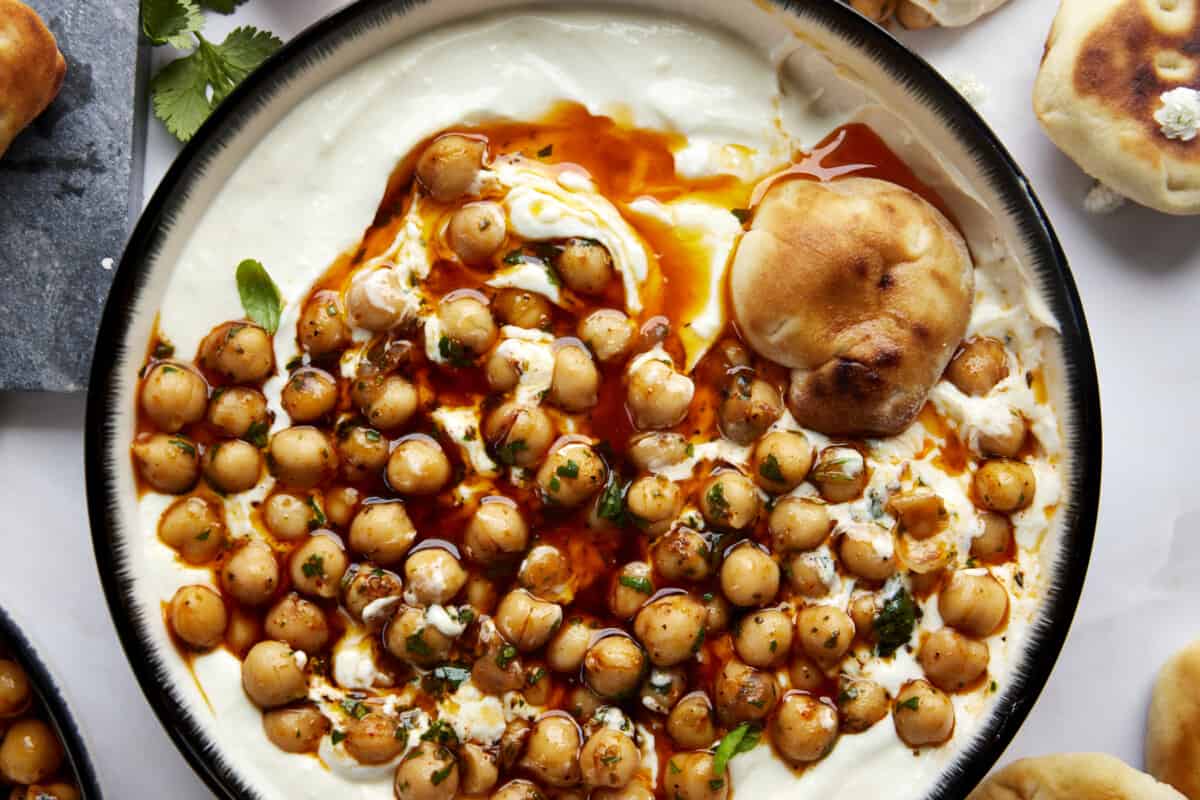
929, 105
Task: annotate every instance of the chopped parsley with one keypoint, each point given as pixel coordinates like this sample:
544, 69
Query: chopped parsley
673, 767
717, 503
256, 434
506, 656
770, 469
911, 703
185, 446
317, 520
513, 258
414, 643
894, 623
454, 352
203, 535
611, 505
354, 708
164, 349
440, 732
314, 566
741, 739
638, 584
568, 470
372, 435
535, 676
441, 774
742, 214
337, 736
546, 151
447, 677
507, 453
555, 484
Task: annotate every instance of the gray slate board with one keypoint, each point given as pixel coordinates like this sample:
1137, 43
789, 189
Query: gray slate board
69, 187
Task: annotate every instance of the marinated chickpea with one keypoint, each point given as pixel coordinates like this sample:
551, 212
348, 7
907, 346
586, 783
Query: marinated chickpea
476, 231
239, 352
467, 321
729, 500
288, 517
576, 381
16, 693
496, 532
518, 790
719, 613
198, 617
415, 775
804, 729
583, 703
690, 776
341, 505
655, 501
30, 752
522, 309
322, 325
608, 333
409, 638
390, 404
798, 523
169, 463
501, 371
298, 623
317, 565
920, 513
744, 694
251, 575
663, 688
764, 638
609, 759
449, 166
1004, 485
691, 724
173, 396
481, 595
633, 790
652, 451
923, 715
301, 457
566, 650
974, 604
526, 621
478, 768
613, 666
193, 527
520, 434
979, 365
951, 661
825, 634
995, 541
861, 703
585, 265
239, 411
1006, 443
309, 394
781, 460
382, 532
546, 572
868, 551
372, 739
809, 574
681, 555
749, 577
539, 688
552, 752
671, 628
379, 300
371, 594
434, 576
571, 475
243, 632
748, 407
864, 607
232, 466
631, 587
658, 396
418, 466
296, 730
271, 676
805, 674
840, 474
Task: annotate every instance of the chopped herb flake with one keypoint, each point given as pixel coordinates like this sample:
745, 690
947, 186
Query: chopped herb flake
741, 739
636, 583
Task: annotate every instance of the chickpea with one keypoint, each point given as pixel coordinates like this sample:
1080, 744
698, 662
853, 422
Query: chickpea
271, 675
923, 715
449, 166
729, 500
658, 396
193, 527
522, 309
810, 574
383, 532
867, 550
805, 674
609, 758
975, 604
634, 790
864, 607
980, 364
608, 333
301, 457
499, 667
584, 703
251, 575
296, 730
341, 505
388, 405
861, 703
805, 729
913, 17
481, 595
749, 577
571, 475
691, 724
467, 321
798, 523
371, 594
585, 265
317, 565
169, 463
418, 466
1004, 485
1006, 443
526, 621
655, 501
566, 650
16, 693
749, 406
744, 694
663, 688
518, 790
476, 231
995, 542
496, 531
652, 451
631, 587
552, 752
409, 638
781, 460
241, 412
478, 768
690, 776
764, 638
539, 687
198, 617
576, 381
243, 632
434, 576
428, 772
840, 474
309, 394
671, 628
322, 325
288, 517
951, 661
173, 396
919, 513
519, 434
613, 666
379, 300
681, 555
546, 572
298, 623
719, 613
232, 466
372, 739
825, 634
30, 752
239, 352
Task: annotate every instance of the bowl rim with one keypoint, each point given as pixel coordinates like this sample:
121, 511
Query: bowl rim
1005, 178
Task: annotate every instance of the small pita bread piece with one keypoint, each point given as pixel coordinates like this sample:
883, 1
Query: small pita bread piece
1072, 776
31, 69
1173, 732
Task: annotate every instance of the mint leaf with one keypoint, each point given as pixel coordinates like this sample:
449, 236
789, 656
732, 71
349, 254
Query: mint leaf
171, 22
894, 623
259, 294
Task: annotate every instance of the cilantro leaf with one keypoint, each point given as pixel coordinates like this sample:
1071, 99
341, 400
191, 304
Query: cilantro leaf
222, 6
171, 22
259, 294
741, 739
894, 623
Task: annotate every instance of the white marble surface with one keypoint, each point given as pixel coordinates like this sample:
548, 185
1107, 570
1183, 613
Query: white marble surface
1138, 272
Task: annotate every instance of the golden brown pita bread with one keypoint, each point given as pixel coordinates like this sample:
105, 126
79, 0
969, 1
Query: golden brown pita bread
31, 69
1072, 776
1173, 732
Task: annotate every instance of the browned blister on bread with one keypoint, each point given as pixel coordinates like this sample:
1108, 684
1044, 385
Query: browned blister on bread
1173, 729
31, 69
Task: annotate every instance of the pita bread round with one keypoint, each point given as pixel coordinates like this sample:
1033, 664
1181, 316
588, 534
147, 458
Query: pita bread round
31, 69
1107, 65
1072, 776
1173, 730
